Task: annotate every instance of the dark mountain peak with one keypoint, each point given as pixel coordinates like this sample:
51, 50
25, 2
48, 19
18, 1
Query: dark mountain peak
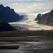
45, 19
1, 6
9, 15
38, 17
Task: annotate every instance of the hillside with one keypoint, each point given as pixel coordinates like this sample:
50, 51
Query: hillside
45, 19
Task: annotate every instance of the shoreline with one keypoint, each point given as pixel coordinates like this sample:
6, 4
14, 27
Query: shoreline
26, 33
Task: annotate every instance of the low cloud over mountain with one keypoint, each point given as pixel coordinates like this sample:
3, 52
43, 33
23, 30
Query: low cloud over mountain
45, 19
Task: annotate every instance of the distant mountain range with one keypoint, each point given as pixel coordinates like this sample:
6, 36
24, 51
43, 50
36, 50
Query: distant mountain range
45, 19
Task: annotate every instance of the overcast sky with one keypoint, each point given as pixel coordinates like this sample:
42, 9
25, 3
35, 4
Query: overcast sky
25, 1
29, 5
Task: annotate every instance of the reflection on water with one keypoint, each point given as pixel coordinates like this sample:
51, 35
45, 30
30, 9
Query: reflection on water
43, 46
29, 47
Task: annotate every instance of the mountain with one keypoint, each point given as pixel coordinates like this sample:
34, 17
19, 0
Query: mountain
8, 15
6, 27
45, 19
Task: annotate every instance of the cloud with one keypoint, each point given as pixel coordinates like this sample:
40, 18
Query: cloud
26, 5
29, 8
24, 1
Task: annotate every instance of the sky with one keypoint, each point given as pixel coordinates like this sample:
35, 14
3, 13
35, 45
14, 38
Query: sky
29, 6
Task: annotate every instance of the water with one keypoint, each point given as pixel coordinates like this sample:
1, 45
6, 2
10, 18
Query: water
29, 47
28, 44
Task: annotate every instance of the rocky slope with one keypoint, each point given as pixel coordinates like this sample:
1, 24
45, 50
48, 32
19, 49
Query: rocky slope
45, 19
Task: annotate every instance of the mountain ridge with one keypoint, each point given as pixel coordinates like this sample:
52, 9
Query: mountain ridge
45, 19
